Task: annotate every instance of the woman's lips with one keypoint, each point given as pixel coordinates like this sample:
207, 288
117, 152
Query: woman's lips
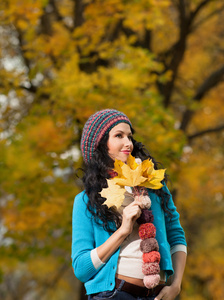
126, 152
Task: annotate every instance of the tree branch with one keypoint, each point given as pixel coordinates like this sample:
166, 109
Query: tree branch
205, 131
113, 30
210, 82
55, 10
78, 12
46, 17
22, 52
207, 85
45, 23
198, 8
199, 23
177, 50
32, 89
145, 42
190, 21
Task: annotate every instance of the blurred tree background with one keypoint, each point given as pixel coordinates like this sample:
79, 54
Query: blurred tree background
160, 62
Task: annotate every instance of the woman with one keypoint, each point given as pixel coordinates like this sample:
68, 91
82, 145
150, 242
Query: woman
105, 248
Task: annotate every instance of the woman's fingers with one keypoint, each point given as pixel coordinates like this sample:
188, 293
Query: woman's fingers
130, 214
132, 210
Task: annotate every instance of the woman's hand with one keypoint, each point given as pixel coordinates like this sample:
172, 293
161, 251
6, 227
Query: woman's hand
130, 214
168, 292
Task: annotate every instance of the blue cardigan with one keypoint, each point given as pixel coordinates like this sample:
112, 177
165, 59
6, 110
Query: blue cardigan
87, 235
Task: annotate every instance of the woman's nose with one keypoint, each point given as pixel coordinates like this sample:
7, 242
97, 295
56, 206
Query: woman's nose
128, 141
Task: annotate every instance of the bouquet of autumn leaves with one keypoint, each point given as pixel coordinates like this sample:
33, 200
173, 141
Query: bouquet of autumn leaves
139, 176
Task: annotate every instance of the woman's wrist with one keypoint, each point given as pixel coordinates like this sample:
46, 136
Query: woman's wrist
176, 285
123, 232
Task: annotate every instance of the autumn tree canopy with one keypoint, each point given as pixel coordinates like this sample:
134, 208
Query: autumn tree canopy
160, 62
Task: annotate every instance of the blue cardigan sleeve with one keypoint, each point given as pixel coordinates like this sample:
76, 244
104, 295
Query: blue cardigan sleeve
175, 232
82, 239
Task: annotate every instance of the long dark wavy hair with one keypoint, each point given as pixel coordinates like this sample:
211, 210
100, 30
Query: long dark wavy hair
95, 174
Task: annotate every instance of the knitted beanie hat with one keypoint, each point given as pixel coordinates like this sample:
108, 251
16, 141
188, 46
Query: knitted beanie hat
96, 127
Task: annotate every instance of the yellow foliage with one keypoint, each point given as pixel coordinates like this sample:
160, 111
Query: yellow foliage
131, 174
48, 137
147, 15
208, 111
22, 161
43, 267
114, 194
35, 217
59, 43
24, 13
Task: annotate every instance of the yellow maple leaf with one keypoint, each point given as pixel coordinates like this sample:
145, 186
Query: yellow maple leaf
131, 162
154, 177
134, 174
117, 166
154, 184
113, 193
130, 177
147, 166
131, 174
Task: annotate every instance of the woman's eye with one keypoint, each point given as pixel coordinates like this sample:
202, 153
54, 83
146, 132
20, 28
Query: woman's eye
119, 135
130, 137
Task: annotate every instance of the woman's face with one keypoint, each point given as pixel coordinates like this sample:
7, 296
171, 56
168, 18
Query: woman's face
119, 143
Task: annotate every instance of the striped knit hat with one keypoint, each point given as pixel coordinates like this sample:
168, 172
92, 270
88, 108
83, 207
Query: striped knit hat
96, 127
